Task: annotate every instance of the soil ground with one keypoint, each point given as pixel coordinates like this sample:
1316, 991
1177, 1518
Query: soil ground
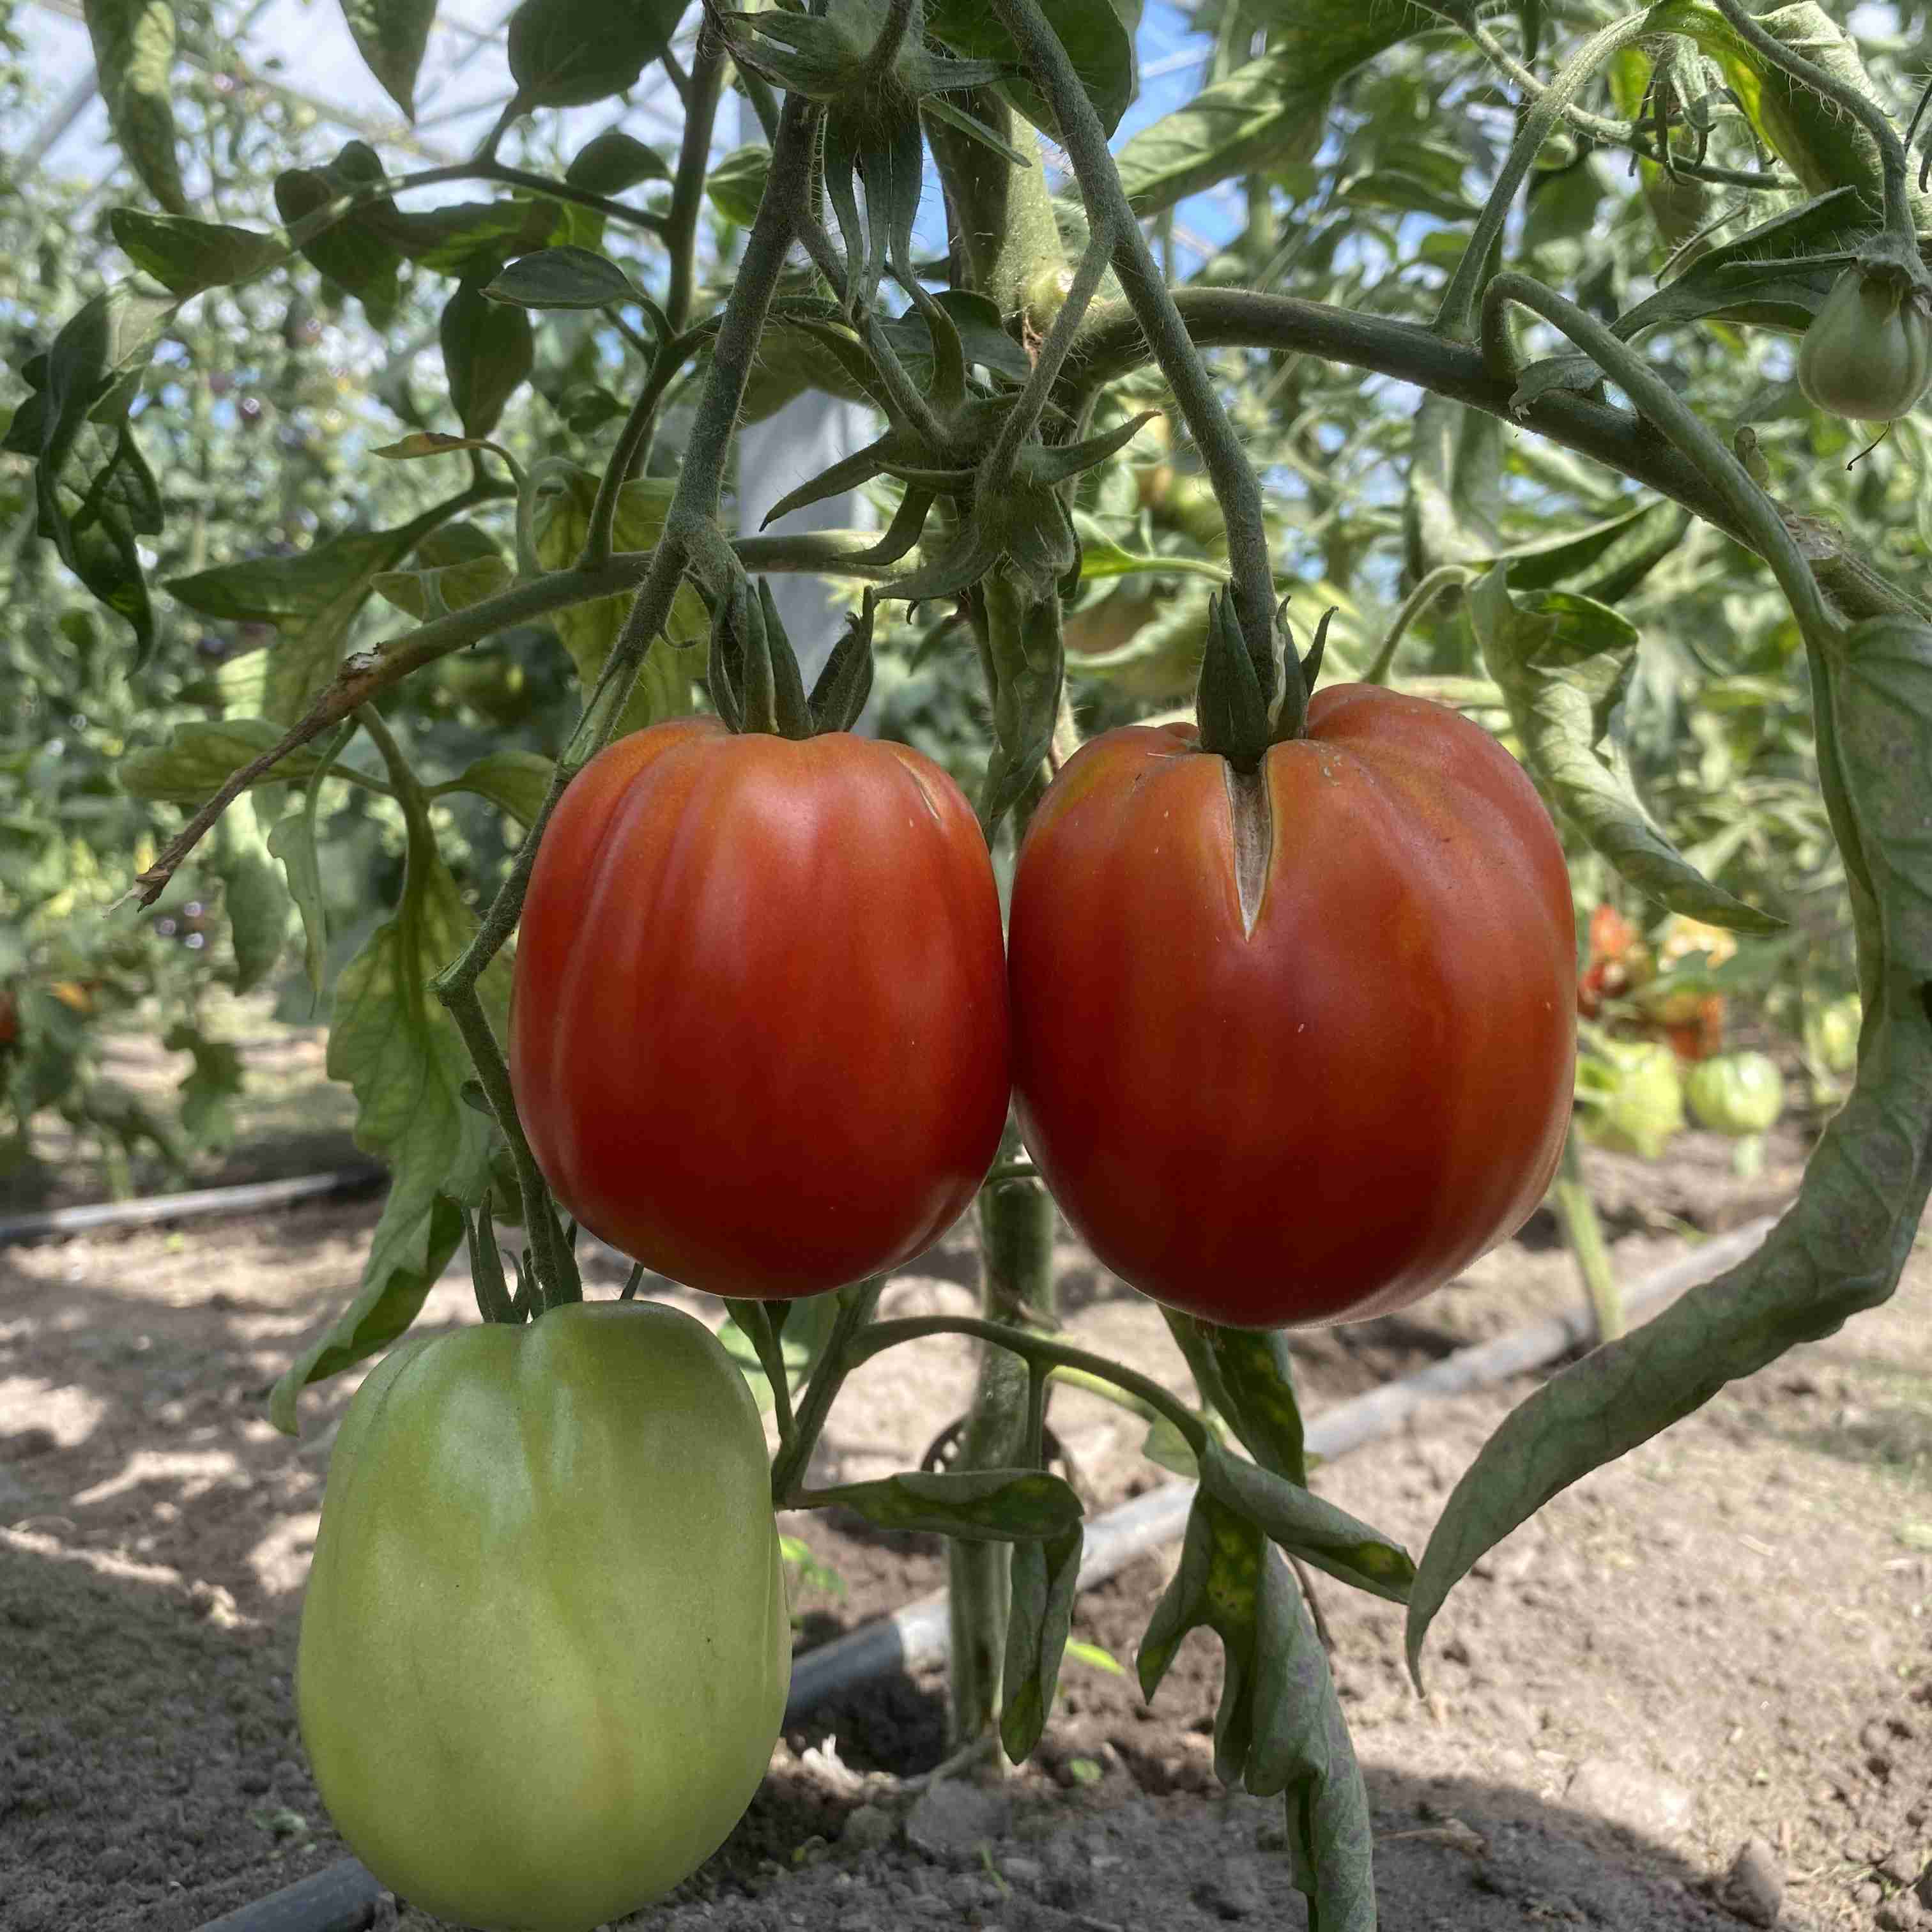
1724, 1639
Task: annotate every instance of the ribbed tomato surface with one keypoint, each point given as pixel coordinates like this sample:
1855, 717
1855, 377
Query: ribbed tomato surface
759, 1031
1320, 1109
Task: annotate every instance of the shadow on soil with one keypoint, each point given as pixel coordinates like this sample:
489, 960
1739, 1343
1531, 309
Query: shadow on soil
150, 1776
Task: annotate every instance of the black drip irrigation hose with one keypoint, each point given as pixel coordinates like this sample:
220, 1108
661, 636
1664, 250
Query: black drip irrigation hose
343, 1897
202, 1202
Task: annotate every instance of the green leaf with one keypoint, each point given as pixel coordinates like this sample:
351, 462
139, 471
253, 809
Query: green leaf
1307, 1526
975, 1505
186, 256
1750, 279
1269, 113
1452, 511
407, 1253
1098, 41
214, 1079
258, 912
563, 277
1045, 1575
391, 1039
1605, 561
1101, 557
94, 493
134, 57
292, 839
1029, 667
198, 758
567, 53
312, 600
1278, 1729
1825, 147
352, 252
588, 631
613, 162
1843, 1246
517, 782
1249, 1375
392, 35
736, 183
427, 595
1561, 661
488, 351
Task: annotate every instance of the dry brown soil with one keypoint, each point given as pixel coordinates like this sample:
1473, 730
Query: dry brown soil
1723, 1638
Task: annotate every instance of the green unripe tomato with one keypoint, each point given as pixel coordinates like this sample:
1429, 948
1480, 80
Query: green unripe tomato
544, 1650
1833, 1033
1868, 352
1638, 1097
1735, 1094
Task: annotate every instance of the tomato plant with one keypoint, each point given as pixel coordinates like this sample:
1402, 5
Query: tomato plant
588, 1497
759, 1035
1294, 1048
1294, 985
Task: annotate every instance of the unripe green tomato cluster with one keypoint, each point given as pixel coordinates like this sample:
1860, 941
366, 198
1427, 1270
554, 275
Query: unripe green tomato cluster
1868, 352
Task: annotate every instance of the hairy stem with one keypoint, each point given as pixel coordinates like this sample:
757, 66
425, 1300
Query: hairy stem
702, 95
1108, 212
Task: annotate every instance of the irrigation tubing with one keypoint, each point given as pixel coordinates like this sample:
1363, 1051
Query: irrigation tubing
343, 1897
53, 1222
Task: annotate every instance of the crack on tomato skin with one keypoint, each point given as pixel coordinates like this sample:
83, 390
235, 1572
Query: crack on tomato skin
1251, 819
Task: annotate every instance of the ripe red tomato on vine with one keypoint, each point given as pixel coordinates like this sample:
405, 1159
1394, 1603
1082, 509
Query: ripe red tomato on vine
758, 1037
1293, 1047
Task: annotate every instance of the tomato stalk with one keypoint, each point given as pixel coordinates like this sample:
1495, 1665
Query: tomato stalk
1575, 1212
554, 1264
1016, 1228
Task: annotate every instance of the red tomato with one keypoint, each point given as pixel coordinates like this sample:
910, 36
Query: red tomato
758, 1036
1322, 1111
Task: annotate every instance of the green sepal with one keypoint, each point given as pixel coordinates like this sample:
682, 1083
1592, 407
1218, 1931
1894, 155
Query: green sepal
1230, 704
843, 686
486, 1266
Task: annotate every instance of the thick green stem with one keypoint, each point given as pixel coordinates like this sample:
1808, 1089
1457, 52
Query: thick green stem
702, 93
1002, 216
1576, 1211
1750, 509
1439, 582
1459, 301
1109, 211
1016, 1225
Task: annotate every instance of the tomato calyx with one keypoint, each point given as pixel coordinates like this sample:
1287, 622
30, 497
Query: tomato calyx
867, 62
754, 678
1240, 711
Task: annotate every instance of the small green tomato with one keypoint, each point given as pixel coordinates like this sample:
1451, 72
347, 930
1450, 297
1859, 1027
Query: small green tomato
1868, 352
1735, 1094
